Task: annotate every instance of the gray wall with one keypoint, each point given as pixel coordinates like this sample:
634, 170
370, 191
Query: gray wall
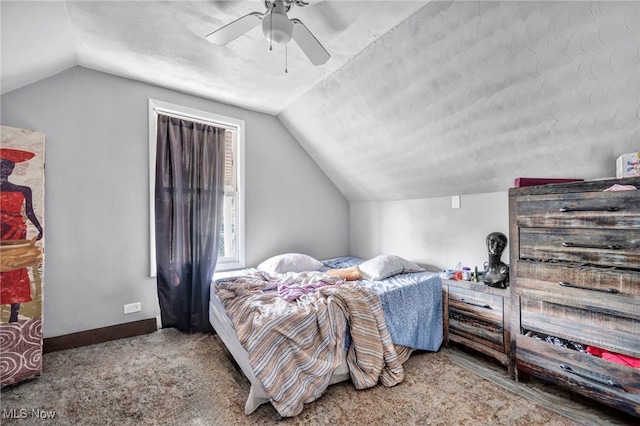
428, 231
96, 194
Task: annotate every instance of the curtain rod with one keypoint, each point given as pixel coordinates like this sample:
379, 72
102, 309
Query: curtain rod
196, 119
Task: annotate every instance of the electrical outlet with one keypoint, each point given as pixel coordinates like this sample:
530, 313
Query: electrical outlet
455, 202
132, 307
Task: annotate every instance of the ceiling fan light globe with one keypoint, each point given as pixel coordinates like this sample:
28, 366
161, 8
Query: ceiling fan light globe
277, 28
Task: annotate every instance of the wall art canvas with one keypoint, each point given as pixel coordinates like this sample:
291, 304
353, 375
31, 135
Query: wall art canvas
21, 253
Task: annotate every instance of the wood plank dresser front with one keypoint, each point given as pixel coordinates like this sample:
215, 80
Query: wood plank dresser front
575, 288
477, 316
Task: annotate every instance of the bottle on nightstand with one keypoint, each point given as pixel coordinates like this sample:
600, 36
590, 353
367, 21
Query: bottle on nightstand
457, 275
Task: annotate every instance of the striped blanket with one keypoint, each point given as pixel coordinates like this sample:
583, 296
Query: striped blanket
294, 347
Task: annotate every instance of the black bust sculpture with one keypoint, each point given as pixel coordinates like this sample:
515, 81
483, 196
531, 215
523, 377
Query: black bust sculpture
496, 272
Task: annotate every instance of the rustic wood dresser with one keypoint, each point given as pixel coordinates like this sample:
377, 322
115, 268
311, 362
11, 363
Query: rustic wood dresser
575, 287
477, 316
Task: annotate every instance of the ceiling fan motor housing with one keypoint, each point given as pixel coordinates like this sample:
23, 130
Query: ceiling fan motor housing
276, 26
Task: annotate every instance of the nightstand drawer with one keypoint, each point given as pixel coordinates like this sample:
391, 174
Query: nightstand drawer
476, 316
603, 380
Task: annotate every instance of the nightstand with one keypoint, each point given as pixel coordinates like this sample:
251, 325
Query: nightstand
474, 316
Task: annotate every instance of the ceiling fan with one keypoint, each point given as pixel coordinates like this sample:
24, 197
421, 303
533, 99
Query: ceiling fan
277, 28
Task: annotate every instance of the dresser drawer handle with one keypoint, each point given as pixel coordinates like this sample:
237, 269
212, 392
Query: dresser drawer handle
606, 246
604, 290
486, 305
589, 209
609, 382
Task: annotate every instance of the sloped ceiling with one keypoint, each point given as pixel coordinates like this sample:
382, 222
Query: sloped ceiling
464, 97
36, 42
163, 43
419, 99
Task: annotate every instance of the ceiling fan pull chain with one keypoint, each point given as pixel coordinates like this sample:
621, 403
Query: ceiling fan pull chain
271, 28
286, 68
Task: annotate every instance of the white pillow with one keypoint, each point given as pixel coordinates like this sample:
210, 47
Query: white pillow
290, 262
385, 266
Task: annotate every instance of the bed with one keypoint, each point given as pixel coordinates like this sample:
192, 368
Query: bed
360, 327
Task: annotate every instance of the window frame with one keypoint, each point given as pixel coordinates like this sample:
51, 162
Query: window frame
234, 124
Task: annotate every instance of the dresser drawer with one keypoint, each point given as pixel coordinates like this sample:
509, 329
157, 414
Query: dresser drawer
606, 381
477, 316
614, 333
615, 210
606, 247
609, 291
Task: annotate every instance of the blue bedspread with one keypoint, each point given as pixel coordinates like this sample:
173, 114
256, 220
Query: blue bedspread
412, 305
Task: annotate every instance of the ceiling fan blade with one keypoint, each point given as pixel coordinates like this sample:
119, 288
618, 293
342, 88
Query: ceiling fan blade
309, 44
235, 29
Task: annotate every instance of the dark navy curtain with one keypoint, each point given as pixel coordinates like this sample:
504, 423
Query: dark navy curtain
188, 207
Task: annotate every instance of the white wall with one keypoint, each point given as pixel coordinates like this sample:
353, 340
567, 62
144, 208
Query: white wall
428, 231
96, 193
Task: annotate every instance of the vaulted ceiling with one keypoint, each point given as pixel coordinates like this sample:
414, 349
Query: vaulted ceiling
419, 99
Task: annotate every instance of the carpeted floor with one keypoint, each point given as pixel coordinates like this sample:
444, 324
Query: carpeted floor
170, 378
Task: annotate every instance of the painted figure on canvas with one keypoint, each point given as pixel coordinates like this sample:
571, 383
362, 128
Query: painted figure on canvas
22, 238
496, 273
17, 251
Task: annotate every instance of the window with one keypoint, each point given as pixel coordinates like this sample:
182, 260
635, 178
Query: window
231, 248
228, 251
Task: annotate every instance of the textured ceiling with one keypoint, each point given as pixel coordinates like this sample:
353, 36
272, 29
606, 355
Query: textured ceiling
464, 97
419, 99
163, 43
